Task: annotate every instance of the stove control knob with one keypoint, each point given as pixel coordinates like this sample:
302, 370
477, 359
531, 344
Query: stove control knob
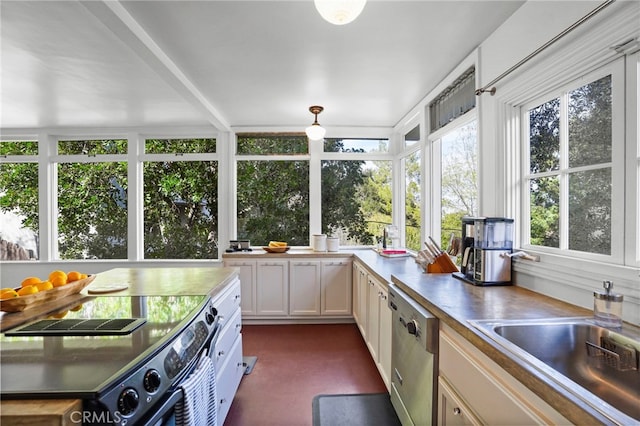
152, 380
128, 401
412, 327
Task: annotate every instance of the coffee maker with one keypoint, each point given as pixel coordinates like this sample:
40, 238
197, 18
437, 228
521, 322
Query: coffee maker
486, 244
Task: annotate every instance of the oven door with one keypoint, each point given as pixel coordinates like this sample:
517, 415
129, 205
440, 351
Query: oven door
164, 412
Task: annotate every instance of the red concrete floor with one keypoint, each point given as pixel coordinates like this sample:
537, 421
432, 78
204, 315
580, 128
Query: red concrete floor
296, 363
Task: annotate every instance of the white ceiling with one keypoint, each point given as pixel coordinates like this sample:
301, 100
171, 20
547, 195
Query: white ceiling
228, 63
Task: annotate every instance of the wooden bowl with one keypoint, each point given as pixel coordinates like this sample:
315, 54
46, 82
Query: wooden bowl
19, 304
276, 249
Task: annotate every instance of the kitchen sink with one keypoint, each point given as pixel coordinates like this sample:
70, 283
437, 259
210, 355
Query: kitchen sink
598, 365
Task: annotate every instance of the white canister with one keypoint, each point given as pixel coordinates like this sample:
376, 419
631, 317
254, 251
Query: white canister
333, 243
319, 242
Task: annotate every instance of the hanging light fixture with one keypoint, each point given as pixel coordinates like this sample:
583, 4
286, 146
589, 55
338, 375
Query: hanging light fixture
339, 12
315, 132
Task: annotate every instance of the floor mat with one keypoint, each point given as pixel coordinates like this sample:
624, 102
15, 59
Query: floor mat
370, 409
249, 362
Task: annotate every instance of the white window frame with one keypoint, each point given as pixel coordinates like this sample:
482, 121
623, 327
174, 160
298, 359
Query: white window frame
616, 70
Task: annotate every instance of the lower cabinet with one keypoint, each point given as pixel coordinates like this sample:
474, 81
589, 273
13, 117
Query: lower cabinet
227, 354
289, 288
272, 288
374, 318
473, 389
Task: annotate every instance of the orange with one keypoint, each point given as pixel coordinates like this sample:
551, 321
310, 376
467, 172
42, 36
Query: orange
60, 314
25, 291
44, 286
58, 278
76, 308
74, 276
30, 281
84, 276
8, 294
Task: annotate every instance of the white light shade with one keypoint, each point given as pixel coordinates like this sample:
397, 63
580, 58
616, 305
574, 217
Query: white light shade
315, 132
339, 12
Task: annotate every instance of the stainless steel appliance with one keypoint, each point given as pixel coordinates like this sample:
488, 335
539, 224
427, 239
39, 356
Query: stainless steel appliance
413, 360
124, 357
487, 243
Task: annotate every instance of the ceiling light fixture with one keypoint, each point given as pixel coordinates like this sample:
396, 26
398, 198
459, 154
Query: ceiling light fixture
315, 132
339, 12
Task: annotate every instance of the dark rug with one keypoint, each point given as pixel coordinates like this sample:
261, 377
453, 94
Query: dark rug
249, 362
367, 409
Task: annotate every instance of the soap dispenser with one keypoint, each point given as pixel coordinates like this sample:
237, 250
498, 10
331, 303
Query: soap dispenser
607, 307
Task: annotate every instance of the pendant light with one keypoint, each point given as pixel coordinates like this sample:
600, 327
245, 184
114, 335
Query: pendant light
339, 12
315, 132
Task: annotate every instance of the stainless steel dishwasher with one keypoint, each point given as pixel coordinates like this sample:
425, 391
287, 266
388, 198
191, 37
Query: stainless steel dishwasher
413, 360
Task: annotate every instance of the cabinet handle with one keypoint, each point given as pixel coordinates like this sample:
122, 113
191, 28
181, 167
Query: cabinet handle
221, 353
457, 411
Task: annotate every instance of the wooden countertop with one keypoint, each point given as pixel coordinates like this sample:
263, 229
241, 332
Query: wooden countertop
140, 282
296, 252
456, 302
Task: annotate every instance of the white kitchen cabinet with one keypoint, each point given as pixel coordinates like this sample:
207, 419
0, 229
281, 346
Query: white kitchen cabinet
247, 282
452, 411
335, 287
305, 287
360, 298
482, 390
227, 352
373, 317
385, 321
272, 284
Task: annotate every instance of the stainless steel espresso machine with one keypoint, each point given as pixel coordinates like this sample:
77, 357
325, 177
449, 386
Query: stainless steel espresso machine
486, 244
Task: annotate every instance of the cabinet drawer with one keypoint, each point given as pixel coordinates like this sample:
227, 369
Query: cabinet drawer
228, 378
229, 301
483, 385
230, 331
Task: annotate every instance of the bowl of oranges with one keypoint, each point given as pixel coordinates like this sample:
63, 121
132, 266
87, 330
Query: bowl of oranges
34, 291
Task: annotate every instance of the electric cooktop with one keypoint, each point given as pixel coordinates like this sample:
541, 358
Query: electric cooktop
93, 345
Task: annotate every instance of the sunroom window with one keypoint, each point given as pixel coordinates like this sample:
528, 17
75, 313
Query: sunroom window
572, 179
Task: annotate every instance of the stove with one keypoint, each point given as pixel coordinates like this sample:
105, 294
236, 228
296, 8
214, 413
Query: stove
122, 356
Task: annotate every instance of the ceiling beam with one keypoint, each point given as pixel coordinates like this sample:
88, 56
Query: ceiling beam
117, 19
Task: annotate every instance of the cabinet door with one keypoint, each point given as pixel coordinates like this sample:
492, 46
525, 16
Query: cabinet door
373, 318
362, 300
304, 287
247, 284
385, 321
451, 410
272, 282
336, 287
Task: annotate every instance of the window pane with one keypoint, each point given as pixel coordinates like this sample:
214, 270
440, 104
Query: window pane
179, 146
273, 202
356, 145
356, 200
18, 148
545, 207
544, 137
92, 210
412, 201
590, 123
93, 147
19, 211
181, 210
459, 179
590, 211
272, 144
412, 137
